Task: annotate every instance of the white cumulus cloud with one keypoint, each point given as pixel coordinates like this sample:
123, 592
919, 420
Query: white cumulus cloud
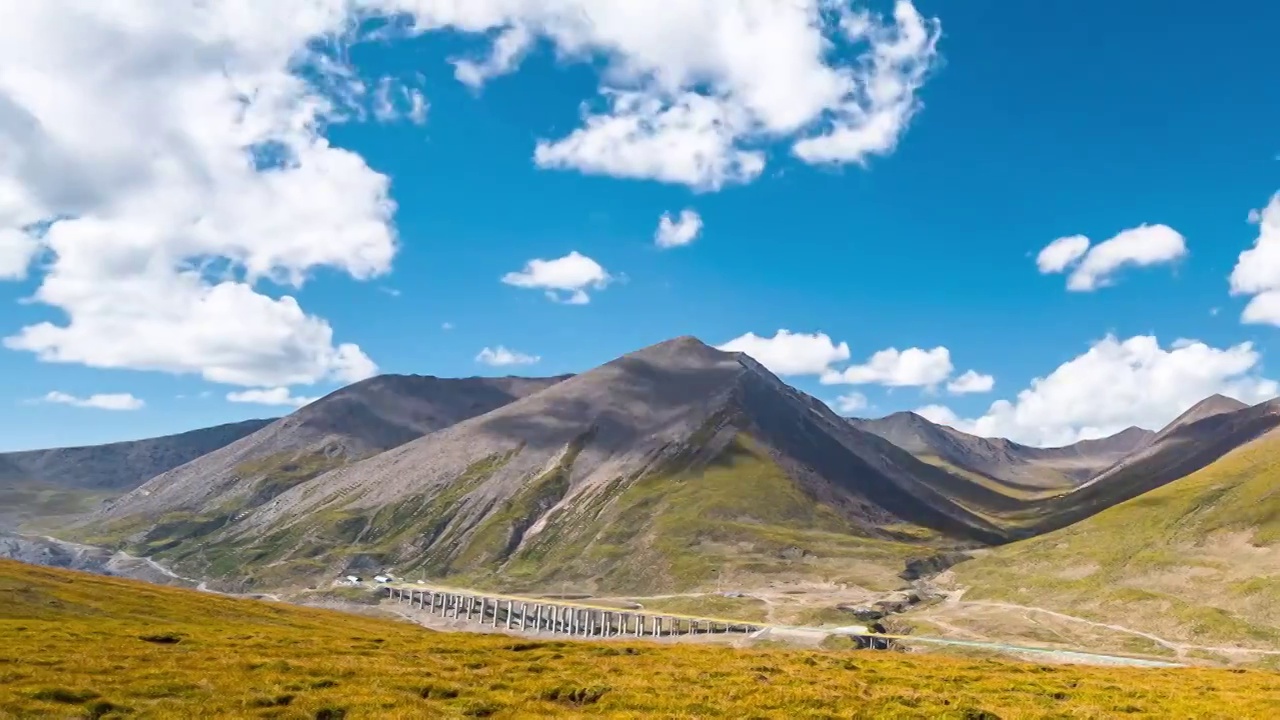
851, 403
502, 357
788, 353
1097, 266
168, 155
564, 279
1257, 271
394, 100
913, 367
1115, 385
278, 396
692, 88
1062, 253
674, 232
17, 249
100, 401
971, 381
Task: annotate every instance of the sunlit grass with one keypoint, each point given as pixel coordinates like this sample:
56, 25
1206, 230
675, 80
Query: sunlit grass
74, 645
1199, 557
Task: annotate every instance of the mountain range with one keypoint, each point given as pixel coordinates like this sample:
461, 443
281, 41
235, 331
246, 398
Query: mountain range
662, 470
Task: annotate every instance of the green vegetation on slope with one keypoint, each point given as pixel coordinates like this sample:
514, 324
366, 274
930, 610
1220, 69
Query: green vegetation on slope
1198, 559
88, 646
675, 530
279, 473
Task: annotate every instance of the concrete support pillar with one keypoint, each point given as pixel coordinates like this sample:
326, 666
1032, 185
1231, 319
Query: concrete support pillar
524, 615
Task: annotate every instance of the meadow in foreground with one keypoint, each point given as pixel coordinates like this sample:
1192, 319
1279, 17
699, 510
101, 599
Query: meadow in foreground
75, 645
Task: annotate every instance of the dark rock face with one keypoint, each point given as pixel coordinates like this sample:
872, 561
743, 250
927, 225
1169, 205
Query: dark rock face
918, 568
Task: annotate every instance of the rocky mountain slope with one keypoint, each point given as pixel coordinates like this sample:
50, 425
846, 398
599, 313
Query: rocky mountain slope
51, 552
1196, 559
655, 470
354, 422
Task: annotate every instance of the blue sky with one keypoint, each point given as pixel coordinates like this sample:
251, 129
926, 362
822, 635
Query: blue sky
1036, 121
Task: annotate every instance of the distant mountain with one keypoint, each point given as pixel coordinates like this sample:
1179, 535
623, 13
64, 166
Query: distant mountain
65, 481
121, 465
1020, 469
1185, 541
357, 421
1197, 438
657, 470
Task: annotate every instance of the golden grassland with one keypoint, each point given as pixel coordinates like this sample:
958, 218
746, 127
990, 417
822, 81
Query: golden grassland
76, 645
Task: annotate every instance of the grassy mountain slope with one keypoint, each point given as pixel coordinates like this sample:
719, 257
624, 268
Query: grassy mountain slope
1195, 560
65, 481
655, 471
1202, 435
85, 646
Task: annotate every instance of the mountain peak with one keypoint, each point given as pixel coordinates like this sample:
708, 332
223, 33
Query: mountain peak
1209, 407
685, 350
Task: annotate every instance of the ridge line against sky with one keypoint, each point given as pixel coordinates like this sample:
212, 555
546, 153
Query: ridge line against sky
193, 195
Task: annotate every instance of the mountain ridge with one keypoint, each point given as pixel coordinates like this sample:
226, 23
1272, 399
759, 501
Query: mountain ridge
1020, 468
364, 418
634, 443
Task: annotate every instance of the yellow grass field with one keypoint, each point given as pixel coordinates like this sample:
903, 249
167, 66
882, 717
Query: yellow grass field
76, 645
